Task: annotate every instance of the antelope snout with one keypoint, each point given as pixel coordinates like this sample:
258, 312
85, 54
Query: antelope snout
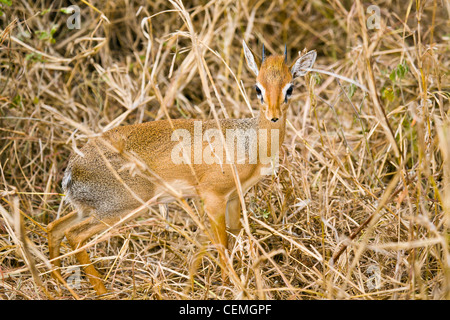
273, 115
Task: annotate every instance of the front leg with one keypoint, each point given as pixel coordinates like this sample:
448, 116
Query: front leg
215, 207
233, 215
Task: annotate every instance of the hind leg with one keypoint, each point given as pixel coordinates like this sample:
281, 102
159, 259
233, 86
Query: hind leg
77, 236
56, 232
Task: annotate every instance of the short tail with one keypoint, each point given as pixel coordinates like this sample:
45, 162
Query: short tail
67, 181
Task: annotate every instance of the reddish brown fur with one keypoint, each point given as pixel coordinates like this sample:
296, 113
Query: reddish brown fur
129, 165
273, 76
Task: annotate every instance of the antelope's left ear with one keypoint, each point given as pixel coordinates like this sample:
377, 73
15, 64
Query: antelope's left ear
300, 66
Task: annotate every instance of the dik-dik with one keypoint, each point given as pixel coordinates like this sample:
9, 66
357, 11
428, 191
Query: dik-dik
126, 167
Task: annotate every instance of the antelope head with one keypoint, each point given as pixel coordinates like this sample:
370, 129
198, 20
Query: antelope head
274, 79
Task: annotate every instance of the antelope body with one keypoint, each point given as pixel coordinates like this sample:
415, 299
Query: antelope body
128, 166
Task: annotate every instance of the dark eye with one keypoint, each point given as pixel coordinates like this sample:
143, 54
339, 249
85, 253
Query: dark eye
289, 92
258, 90
259, 93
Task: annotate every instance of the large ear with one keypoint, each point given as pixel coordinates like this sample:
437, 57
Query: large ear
251, 62
299, 68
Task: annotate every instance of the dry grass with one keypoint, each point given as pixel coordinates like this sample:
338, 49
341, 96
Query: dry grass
360, 208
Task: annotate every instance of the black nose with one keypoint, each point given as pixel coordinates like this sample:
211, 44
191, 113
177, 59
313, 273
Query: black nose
274, 119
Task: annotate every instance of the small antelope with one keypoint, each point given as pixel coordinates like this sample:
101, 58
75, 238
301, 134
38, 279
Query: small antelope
130, 167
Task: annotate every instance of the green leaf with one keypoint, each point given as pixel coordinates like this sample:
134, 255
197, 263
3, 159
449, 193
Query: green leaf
317, 78
265, 213
351, 90
54, 29
16, 100
35, 57
392, 76
402, 70
7, 2
399, 72
66, 10
388, 94
47, 35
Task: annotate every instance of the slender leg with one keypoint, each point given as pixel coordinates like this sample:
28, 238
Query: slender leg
215, 206
77, 236
56, 232
233, 215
